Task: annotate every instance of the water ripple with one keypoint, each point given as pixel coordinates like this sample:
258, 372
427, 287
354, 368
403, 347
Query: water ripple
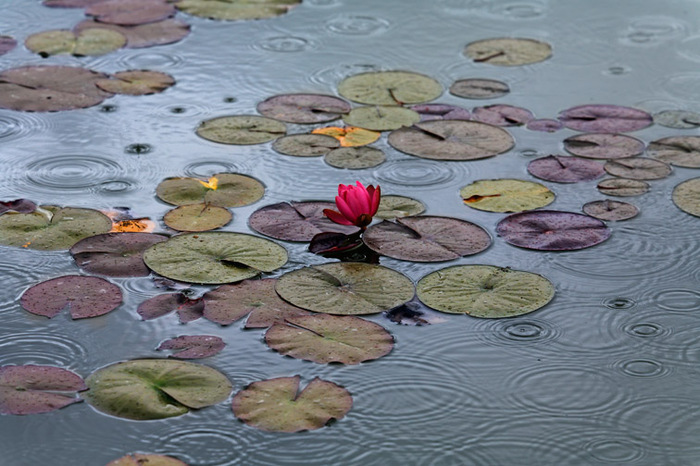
521, 10
285, 44
420, 174
653, 30
70, 173
183, 109
42, 348
641, 368
357, 25
147, 61
683, 85
17, 126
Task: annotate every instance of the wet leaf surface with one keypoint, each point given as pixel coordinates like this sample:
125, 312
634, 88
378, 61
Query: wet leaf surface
305, 145
347, 248
187, 309
389, 88
21, 206
193, 346
502, 115
83, 296
508, 51
638, 169
561, 169
345, 288
398, 206
623, 187
430, 112
7, 43
32, 389
355, 158
236, 9
686, 196
277, 405
136, 82
679, 119
682, 151
88, 42
143, 35
130, 12
232, 190
197, 217
381, 117
115, 254
349, 136
304, 108
549, 230
603, 146
605, 118
544, 125
70, 3
296, 221
140, 459
506, 195
484, 291
241, 129
426, 238
145, 389
324, 338
610, 210
479, 88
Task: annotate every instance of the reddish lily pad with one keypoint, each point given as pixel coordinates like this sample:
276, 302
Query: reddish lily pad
549, 230
426, 238
508, 51
241, 129
21, 206
143, 35
197, 217
623, 187
296, 221
305, 145
139, 459
83, 296
389, 88
679, 119
682, 151
222, 190
130, 12
193, 346
506, 195
429, 112
398, 206
136, 82
276, 405
187, 309
686, 196
603, 146
605, 118
638, 169
304, 108
381, 117
115, 254
324, 338
544, 125
355, 158
503, 115
88, 42
479, 88
236, 9
70, 3
565, 169
32, 389
7, 43
610, 210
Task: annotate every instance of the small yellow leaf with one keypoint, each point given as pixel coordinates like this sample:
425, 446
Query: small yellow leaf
213, 183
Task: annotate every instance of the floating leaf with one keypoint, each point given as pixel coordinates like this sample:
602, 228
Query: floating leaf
305, 145
31, 389
193, 346
550, 230
622, 187
426, 238
51, 227
389, 88
21, 206
545, 125
429, 112
304, 108
349, 136
83, 296
605, 118
7, 43
638, 169
241, 129
679, 119
136, 82
296, 221
451, 140
197, 217
381, 117
484, 291
90, 42
603, 146
143, 35
398, 206
232, 190
276, 405
236, 9
508, 51
355, 158
146, 389
502, 115
479, 88
506, 195
139, 459
115, 254
345, 288
325, 338
682, 151
130, 12
133, 225
214, 257
158, 306
70, 3
686, 196
610, 210
565, 169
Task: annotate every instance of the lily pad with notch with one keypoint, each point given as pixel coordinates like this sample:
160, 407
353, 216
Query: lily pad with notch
136, 82
623, 187
193, 346
163, 32
34, 389
230, 190
115, 254
561, 169
304, 108
241, 129
141, 459
231, 10
686, 196
479, 88
381, 117
349, 136
605, 118
390, 88
391, 206
610, 210
187, 309
296, 221
506, 195
508, 51
502, 115
638, 168
88, 42
130, 12
355, 158
682, 151
679, 119
197, 217
82, 296
603, 146
305, 145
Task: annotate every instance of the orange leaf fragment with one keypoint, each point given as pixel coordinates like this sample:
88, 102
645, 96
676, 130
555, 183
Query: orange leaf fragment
213, 183
349, 136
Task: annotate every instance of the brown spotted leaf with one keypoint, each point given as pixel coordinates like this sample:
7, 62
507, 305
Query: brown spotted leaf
296, 221
32, 389
193, 346
83, 297
565, 169
158, 306
115, 254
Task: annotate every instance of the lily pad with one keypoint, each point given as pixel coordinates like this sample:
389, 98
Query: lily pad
304, 108
146, 389
193, 346
479, 88
355, 158
214, 257
236, 9
638, 169
484, 291
241, 129
70, 3
115, 254
502, 115
83, 296
296, 221
545, 125
565, 169
622, 187
451, 140
349, 136
426, 238
381, 117
230, 190
550, 230
610, 210
136, 82
324, 338
682, 151
143, 35
187, 309
140, 459
305, 145
21, 206
197, 217
506, 195
605, 118
686, 196
276, 405
88, 42
7, 43
346, 288
389, 88
398, 206
130, 12
32, 389
51, 228
508, 51
429, 112
603, 146
679, 119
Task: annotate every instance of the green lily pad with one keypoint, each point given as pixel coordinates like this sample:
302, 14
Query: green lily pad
680, 119
214, 257
346, 288
305, 145
479, 88
398, 206
508, 51
276, 405
325, 338
136, 82
506, 195
355, 158
197, 217
90, 42
687, 196
146, 389
484, 291
381, 117
241, 129
143, 35
232, 190
390, 88
139, 459
231, 10
51, 228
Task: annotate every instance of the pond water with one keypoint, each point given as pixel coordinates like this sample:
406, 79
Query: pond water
606, 373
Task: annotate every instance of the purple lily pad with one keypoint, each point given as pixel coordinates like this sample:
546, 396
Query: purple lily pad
130, 12
441, 112
304, 108
193, 346
545, 125
610, 210
605, 118
604, 146
30, 389
158, 306
638, 168
479, 88
21, 206
115, 254
7, 43
83, 296
561, 169
143, 35
550, 230
70, 3
503, 115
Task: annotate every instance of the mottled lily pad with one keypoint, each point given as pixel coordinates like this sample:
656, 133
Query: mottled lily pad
355, 158
398, 206
7, 43
687, 196
426, 238
51, 227
545, 125
429, 112
603, 146
508, 51
88, 42
381, 117
304, 108
484, 291
231, 10
83, 296
70, 3
296, 221
193, 346
143, 35
565, 169
451, 140
550, 230
638, 169
229, 190
130, 12
197, 217
305, 145
21, 206
115, 254
146, 389
349, 136
479, 88
187, 309
214, 257
346, 288
136, 82
241, 129
682, 151
32, 389
623, 187
140, 459
276, 405
506, 195
610, 210
390, 88
324, 338
502, 115
679, 119
605, 118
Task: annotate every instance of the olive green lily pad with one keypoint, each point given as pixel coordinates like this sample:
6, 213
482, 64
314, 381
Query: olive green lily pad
136, 82
682, 151
623, 187
346, 288
484, 291
305, 145
680, 119
277, 405
231, 190
355, 158
143, 35
86, 42
324, 338
241, 129
231, 10
479, 88
51, 228
508, 51
638, 168
140, 459
381, 117
398, 206
390, 88
197, 217
214, 257
687, 196
506, 195
146, 389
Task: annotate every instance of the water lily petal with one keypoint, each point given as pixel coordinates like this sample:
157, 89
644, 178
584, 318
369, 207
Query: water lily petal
345, 209
336, 217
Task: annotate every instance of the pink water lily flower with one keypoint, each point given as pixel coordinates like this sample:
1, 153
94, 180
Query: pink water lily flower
356, 204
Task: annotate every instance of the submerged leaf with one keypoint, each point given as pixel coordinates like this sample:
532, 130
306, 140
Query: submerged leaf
680, 119
21, 206
83, 296
32, 389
